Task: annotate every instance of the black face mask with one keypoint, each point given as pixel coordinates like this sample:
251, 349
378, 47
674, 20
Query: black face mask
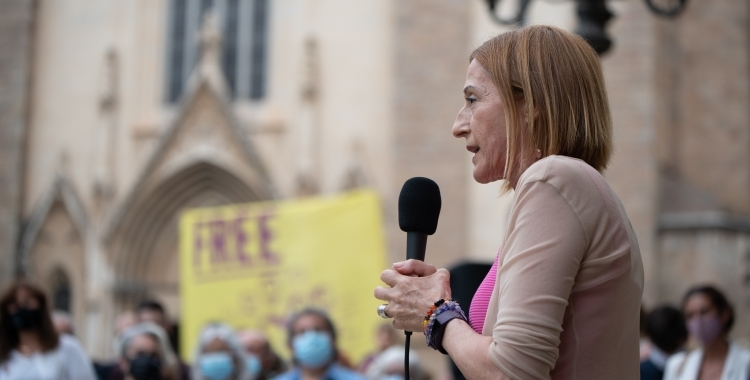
26, 319
146, 367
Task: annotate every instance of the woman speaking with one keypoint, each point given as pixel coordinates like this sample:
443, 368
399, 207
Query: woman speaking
562, 300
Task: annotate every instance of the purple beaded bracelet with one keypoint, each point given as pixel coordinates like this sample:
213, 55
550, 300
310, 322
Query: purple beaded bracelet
433, 328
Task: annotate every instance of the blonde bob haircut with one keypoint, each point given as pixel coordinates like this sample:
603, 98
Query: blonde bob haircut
559, 77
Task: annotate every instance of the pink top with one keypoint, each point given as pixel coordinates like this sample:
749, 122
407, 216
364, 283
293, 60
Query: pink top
478, 309
567, 295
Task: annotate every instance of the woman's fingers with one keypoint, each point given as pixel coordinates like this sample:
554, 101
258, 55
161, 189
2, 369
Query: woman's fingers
390, 277
414, 267
409, 297
384, 294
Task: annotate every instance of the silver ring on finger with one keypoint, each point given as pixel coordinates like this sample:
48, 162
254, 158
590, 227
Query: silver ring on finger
381, 311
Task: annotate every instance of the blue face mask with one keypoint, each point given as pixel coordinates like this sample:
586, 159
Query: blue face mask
216, 366
253, 365
313, 349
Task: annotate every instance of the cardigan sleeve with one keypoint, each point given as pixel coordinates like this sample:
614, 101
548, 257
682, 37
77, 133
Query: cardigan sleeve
544, 247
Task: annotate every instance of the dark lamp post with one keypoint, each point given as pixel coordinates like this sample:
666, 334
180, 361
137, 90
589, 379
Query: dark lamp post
593, 16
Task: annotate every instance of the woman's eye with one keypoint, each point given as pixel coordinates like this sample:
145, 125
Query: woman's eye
470, 100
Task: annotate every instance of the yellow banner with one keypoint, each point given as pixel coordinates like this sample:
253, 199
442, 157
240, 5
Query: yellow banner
252, 265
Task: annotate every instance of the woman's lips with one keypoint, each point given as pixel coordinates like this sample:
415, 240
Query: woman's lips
473, 149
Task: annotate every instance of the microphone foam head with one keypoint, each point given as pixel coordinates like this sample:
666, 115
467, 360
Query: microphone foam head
419, 206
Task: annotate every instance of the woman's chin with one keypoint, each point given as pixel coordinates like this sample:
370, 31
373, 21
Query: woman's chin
482, 178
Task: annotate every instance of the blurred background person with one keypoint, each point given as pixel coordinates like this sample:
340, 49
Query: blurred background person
63, 322
256, 342
145, 354
709, 317
385, 337
312, 339
666, 330
153, 311
389, 365
220, 356
30, 348
123, 321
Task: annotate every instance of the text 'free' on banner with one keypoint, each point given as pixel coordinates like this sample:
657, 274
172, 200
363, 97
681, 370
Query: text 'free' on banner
253, 265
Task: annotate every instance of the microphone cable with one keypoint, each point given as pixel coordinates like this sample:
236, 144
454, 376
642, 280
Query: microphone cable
406, 354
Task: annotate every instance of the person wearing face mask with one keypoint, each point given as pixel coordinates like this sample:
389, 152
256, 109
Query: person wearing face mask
709, 318
220, 356
312, 339
145, 354
30, 348
256, 343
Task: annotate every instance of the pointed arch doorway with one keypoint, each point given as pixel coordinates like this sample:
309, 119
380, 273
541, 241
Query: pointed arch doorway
145, 250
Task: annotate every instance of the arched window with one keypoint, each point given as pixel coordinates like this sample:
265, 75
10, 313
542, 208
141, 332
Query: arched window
61, 291
244, 26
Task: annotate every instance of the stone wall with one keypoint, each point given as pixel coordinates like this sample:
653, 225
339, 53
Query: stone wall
703, 97
629, 73
432, 48
703, 135
15, 40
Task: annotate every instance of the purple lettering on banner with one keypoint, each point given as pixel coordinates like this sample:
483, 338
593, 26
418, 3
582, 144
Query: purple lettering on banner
218, 241
266, 236
197, 244
240, 241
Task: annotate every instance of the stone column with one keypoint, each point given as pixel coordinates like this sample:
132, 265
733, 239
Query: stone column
16, 18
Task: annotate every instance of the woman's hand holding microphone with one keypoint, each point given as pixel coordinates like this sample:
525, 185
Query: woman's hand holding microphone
414, 287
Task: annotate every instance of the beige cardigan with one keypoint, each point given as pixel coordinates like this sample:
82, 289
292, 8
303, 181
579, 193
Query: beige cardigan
567, 296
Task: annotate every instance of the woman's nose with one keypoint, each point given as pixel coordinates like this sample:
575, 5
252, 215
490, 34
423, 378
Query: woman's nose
461, 125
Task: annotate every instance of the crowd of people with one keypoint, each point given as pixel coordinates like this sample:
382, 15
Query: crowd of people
690, 342
40, 344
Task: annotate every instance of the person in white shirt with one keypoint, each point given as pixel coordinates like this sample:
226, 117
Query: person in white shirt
709, 318
30, 348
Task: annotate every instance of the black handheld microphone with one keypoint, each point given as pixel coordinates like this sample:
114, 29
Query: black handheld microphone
418, 212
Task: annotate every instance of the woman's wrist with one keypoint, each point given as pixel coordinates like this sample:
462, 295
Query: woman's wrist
440, 314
